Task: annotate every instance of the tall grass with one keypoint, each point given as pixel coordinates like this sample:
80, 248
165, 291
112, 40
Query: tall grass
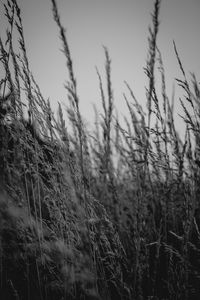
112, 215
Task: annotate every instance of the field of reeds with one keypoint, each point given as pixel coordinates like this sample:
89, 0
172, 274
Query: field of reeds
110, 215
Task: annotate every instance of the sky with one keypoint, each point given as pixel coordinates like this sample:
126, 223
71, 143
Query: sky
121, 26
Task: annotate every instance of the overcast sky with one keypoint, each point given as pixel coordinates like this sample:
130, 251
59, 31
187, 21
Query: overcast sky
120, 25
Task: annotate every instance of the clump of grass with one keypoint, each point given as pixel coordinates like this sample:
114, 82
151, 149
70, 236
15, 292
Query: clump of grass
112, 215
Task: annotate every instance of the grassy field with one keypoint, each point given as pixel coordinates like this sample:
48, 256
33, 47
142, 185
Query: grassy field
112, 215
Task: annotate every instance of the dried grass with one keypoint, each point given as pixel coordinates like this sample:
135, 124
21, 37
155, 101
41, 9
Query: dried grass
114, 215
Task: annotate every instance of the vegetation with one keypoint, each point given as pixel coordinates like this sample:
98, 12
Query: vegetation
115, 215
